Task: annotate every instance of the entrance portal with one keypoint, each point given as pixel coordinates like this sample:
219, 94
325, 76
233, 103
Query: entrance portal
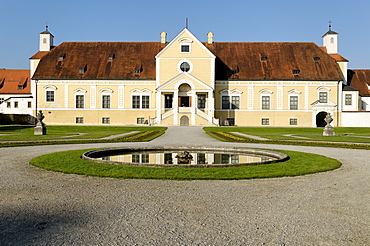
184, 120
320, 119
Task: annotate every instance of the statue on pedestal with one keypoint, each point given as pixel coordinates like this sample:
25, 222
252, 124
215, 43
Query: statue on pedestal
328, 130
40, 128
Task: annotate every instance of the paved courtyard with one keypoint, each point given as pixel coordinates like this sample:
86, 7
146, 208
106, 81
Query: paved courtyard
39, 207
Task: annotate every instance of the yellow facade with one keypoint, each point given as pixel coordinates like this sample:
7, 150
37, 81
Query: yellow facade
186, 92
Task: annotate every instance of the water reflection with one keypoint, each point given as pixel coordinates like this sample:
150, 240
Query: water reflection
203, 157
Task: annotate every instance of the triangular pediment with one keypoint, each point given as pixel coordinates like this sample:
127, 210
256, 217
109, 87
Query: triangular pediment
194, 47
175, 82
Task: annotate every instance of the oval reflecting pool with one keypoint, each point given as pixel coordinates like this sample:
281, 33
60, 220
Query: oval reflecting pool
184, 156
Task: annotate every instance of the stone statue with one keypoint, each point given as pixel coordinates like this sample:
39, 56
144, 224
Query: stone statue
40, 116
328, 130
40, 128
184, 157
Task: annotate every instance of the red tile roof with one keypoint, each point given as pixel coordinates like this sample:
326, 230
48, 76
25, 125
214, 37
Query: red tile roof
238, 61
274, 61
360, 79
338, 58
12, 80
39, 55
93, 59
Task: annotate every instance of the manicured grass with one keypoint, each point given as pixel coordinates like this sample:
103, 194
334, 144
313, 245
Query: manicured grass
143, 134
298, 164
343, 134
23, 133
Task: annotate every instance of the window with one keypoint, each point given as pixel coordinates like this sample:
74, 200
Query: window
29, 104
225, 102
168, 100
135, 158
79, 120
225, 158
348, 99
235, 102
1, 100
201, 158
316, 58
106, 101
106, 120
201, 101
140, 158
265, 121
140, 101
80, 102
44, 40
15, 104
296, 71
263, 58
234, 159
323, 97
293, 102
144, 101
293, 122
144, 158
185, 48
185, 67
265, 102
20, 87
50, 96
140, 121
8, 105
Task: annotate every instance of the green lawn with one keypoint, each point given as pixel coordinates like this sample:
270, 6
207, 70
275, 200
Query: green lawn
343, 134
298, 164
25, 133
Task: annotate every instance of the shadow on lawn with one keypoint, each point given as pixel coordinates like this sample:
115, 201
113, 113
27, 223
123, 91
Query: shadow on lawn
5, 128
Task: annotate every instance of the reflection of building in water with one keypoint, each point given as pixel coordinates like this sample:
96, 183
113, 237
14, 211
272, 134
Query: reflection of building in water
198, 158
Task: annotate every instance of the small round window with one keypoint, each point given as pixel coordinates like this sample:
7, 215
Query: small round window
185, 67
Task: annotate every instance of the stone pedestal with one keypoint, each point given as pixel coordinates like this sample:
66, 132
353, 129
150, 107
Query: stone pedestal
39, 130
328, 131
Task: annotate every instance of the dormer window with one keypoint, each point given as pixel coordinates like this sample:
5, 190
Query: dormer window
296, 71
82, 69
263, 58
20, 87
316, 58
185, 48
111, 57
61, 57
138, 69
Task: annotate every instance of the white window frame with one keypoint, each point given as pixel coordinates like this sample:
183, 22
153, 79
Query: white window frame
322, 89
185, 42
266, 93
293, 93
141, 93
80, 92
53, 89
231, 94
181, 62
106, 92
348, 101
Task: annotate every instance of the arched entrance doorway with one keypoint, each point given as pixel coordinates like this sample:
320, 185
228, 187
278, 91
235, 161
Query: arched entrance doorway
184, 120
184, 95
320, 119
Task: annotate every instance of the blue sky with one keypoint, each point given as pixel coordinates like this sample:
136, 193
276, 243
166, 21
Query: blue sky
232, 20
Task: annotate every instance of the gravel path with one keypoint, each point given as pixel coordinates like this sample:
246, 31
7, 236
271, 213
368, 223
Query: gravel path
39, 207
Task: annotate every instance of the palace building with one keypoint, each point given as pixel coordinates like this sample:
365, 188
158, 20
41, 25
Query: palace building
188, 82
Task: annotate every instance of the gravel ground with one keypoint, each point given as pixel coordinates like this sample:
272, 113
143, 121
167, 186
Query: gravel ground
39, 207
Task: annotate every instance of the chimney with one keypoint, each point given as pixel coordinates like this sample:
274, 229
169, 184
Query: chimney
163, 38
210, 38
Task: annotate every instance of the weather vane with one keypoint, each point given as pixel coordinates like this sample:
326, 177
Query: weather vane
47, 25
330, 25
